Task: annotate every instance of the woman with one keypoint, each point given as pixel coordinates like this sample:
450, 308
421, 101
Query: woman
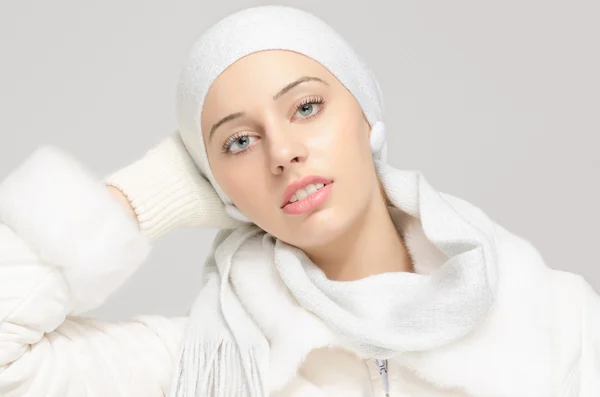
333, 274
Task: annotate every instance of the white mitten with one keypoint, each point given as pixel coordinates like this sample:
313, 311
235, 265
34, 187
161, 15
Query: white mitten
166, 191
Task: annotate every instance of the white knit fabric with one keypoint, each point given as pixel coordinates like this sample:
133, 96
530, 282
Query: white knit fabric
269, 28
166, 191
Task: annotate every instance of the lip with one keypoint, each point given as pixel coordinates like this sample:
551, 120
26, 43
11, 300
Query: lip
309, 203
302, 183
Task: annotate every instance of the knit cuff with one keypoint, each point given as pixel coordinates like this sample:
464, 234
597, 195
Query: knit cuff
166, 191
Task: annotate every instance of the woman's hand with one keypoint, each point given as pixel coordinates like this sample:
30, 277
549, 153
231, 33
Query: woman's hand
120, 197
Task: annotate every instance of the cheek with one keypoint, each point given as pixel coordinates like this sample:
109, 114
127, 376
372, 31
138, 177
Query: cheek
348, 138
353, 159
233, 181
243, 180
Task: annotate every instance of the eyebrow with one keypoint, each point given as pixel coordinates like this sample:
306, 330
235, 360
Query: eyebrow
295, 83
281, 92
225, 119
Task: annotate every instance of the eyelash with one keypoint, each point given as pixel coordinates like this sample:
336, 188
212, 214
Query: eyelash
231, 140
310, 101
307, 101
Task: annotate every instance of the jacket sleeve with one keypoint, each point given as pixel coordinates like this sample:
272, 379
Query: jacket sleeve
590, 346
65, 246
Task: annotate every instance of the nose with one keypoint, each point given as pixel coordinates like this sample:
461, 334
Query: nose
285, 150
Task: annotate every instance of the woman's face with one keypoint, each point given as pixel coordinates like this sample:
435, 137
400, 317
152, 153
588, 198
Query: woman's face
275, 117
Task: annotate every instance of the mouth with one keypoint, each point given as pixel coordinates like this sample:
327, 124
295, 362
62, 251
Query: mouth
308, 198
306, 192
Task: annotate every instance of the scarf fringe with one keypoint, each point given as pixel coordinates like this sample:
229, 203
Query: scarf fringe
220, 369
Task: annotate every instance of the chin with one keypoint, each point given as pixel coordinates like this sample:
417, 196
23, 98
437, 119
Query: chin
320, 228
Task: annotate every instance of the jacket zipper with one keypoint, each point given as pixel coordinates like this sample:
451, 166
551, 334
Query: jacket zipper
383, 372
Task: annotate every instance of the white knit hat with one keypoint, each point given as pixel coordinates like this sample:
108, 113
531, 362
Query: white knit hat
270, 28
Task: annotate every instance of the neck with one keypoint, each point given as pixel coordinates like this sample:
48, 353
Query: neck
373, 245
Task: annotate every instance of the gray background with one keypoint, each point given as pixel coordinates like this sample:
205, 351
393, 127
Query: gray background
496, 102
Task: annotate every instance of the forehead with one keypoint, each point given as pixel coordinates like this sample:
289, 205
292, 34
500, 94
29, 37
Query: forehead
262, 74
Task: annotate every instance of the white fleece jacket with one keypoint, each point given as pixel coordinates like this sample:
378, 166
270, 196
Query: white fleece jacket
66, 245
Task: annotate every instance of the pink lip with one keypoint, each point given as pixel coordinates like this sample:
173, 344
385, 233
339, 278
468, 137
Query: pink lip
300, 184
309, 203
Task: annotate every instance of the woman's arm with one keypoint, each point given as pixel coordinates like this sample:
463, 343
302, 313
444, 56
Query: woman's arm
165, 190
65, 245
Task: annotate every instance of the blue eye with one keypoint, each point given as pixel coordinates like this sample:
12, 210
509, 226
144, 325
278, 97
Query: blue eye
306, 110
309, 107
241, 140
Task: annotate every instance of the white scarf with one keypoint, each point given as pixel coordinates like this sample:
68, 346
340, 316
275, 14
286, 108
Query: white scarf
227, 346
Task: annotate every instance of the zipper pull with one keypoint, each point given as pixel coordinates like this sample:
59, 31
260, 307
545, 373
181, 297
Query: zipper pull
383, 371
